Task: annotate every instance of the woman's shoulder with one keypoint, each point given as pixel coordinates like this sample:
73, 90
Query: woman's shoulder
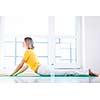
29, 50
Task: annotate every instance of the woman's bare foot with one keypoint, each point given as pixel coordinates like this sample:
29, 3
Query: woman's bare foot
92, 73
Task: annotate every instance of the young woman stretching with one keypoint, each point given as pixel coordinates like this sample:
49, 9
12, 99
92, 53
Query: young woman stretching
30, 59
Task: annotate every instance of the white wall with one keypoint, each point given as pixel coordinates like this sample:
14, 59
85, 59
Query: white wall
92, 42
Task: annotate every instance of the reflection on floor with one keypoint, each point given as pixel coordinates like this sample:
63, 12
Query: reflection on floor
49, 80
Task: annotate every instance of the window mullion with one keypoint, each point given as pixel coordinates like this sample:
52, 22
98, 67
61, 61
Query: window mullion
51, 40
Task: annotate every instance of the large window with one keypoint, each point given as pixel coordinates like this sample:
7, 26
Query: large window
67, 34
56, 40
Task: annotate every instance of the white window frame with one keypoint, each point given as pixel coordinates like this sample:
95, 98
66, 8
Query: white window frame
52, 43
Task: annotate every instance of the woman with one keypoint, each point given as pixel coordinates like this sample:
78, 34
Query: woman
30, 59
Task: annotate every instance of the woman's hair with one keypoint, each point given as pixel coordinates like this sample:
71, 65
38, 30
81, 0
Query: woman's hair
29, 42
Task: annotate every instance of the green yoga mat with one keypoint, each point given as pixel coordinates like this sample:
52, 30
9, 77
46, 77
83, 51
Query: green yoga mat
68, 75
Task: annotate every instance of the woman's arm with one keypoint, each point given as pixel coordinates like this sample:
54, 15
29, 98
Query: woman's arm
18, 67
25, 67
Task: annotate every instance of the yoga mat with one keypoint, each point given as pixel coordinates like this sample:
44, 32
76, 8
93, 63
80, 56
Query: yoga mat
68, 75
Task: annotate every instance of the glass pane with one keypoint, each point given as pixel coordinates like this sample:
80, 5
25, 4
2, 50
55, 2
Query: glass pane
37, 25
19, 25
18, 59
8, 64
41, 46
19, 49
43, 60
9, 49
9, 38
41, 49
20, 39
40, 39
65, 25
65, 50
73, 54
14, 25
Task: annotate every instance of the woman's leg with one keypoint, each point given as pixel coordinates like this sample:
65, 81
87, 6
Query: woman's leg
87, 72
82, 71
45, 70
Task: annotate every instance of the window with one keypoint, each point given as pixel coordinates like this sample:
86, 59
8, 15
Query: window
57, 37
67, 34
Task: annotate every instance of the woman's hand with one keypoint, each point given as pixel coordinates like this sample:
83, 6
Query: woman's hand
12, 74
16, 74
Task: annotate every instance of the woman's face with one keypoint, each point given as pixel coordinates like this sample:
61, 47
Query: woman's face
24, 45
